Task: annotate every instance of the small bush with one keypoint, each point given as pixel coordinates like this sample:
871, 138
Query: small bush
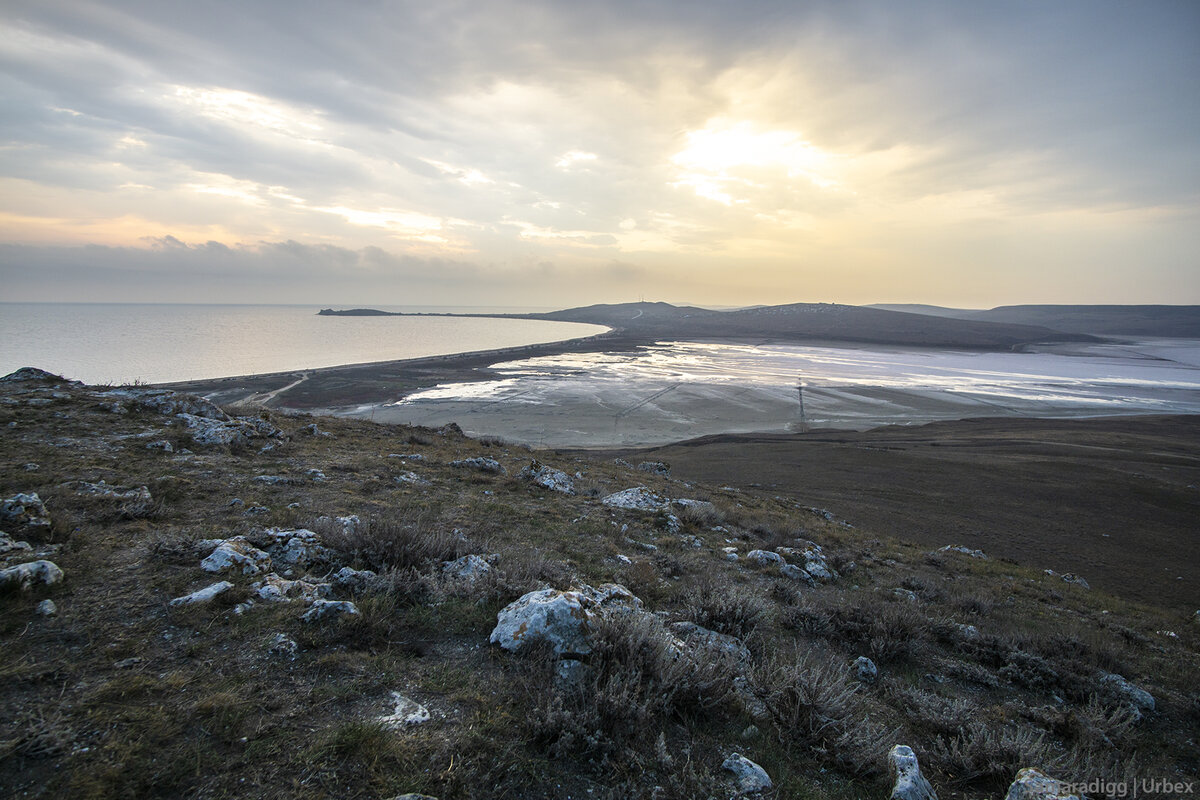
634, 680
727, 608
408, 538
815, 707
995, 752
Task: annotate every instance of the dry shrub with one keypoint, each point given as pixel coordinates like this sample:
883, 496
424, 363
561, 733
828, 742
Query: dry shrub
991, 752
815, 707
725, 607
701, 516
408, 538
885, 631
635, 679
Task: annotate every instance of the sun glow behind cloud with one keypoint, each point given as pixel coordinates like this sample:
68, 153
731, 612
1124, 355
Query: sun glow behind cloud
708, 149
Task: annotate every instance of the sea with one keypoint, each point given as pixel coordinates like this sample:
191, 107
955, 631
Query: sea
103, 343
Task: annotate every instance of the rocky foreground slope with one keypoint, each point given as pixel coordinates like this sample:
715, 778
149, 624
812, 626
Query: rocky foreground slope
206, 602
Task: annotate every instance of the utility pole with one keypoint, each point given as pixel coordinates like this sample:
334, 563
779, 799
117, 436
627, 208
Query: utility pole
800, 391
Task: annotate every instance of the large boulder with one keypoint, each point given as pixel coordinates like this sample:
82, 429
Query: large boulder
165, 401
216, 431
1123, 691
909, 784
639, 498
749, 777
563, 619
26, 575
1032, 784
237, 554
547, 477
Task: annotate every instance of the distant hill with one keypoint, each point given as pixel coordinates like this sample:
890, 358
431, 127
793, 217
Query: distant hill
922, 308
1172, 321
809, 321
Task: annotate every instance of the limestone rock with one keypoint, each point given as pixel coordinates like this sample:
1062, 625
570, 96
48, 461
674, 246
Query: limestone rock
8, 545
764, 557
469, 568
563, 619
165, 401
161, 444
29, 374
324, 608
906, 595
411, 478
25, 508
796, 574
1032, 784
102, 489
1123, 690
237, 553
639, 498
282, 644
865, 669
312, 430
548, 478
224, 431
910, 784
1076, 580
46, 608
481, 464
958, 548
275, 589
699, 640
405, 713
655, 467
353, 580
204, 595
30, 573
750, 777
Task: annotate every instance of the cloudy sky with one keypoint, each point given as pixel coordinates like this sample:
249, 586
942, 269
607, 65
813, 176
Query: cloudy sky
559, 153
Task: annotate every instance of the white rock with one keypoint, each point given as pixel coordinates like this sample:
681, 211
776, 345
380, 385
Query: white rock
204, 595
25, 508
1139, 698
750, 777
161, 444
796, 574
1032, 784
764, 557
284, 645
102, 489
482, 464
469, 568
411, 478
46, 608
26, 575
865, 669
700, 639
548, 478
639, 498
406, 712
7, 545
352, 579
910, 783
277, 590
904, 594
958, 548
324, 608
561, 618
237, 553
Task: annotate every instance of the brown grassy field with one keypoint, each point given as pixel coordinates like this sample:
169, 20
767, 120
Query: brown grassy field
1116, 500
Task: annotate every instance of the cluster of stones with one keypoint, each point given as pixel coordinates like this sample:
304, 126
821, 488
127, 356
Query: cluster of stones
26, 510
1029, 783
815, 567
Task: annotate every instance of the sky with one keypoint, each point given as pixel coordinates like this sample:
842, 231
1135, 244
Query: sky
549, 154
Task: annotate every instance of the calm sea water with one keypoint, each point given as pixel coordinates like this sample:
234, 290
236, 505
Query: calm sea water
122, 343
